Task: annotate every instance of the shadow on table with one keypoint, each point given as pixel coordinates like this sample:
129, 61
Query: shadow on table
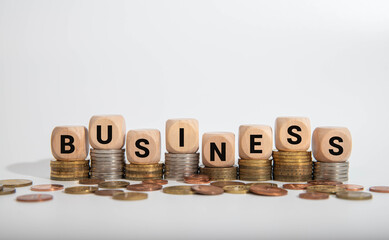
39, 168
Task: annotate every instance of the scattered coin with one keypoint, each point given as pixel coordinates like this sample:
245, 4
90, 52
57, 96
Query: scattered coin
221, 184
156, 181
268, 191
197, 179
114, 184
314, 195
47, 187
143, 187
81, 190
130, 196
14, 183
6, 191
107, 192
178, 190
352, 187
236, 189
90, 181
324, 182
331, 189
295, 186
262, 184
34, 198
354, 195
207, 190
380, 189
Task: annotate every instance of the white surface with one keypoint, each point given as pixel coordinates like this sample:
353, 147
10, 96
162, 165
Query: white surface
225, 63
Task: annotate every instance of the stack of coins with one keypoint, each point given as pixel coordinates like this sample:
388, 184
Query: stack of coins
140, 172
291, 166
255, 170
69, 170
107, 163
180, 165
220, 173
331, 171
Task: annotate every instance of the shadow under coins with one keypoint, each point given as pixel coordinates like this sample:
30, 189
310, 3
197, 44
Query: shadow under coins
40, 169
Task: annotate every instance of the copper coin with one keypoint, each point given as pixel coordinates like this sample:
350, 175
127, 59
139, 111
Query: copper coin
207, 190
107, 192
268, 191
144, 187
380, 189
156, 181
34, 198
295, 186
352, 187
47, 187
197, 179
314, 195
221, 184
90, 181
324, 182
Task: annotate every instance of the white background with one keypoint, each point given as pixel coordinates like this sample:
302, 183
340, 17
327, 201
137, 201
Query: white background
225, 63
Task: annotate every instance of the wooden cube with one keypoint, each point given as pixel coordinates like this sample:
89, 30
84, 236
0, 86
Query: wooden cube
292, 133
182, 135
69, 143
143, 146
218, 149
107, 132
255, 141
331, 144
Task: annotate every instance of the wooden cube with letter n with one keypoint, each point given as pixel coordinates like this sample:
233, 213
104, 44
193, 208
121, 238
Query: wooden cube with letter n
218, 149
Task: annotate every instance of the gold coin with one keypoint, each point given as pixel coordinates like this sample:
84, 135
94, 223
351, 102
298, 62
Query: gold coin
130, 196
14, 183
68, 163
263, 184
81, 190
254, 178
6, 191
354, 195
331, 189
178, 190
236, 189
65, 179
114, 184
292, 153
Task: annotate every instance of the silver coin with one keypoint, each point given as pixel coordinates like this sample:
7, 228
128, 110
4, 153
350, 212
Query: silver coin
331, 167
331, 164
331, 170
106, 154
107, 150
107, 159
182, 154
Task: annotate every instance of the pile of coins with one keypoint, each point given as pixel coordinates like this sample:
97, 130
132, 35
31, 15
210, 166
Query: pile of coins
291, 166
69, 170
140, 172
107, 163
220, 173
255, 170
331, 171
180, 165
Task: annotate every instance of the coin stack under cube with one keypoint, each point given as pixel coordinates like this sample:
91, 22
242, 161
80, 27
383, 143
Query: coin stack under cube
140, 172
107, 163
331, 148
69, 170
69, 146
220, 173
180, 165
292, 166
331, 171
182, 144
255, 170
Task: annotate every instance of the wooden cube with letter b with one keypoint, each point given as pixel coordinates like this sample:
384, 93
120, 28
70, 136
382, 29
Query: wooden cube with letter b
218, 155
69, 146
